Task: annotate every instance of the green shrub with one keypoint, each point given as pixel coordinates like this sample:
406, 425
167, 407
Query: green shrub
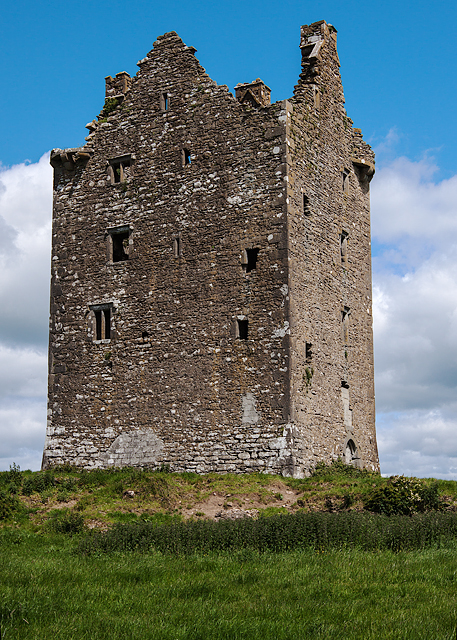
157, 485
84, 502
403, 496
111, 104
280, 533
67, 484
9, 505
337, 468
62, 496
65, 521
13, 477
38, 482
117, 488
108, 477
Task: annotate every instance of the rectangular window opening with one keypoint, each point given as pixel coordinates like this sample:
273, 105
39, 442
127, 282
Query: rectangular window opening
186, 158
308, 353
164, 101
250, 262
120, 245
119, 169
242, 329
177, 247
344, 247
306, 209
345, 174
102, 323
345, 323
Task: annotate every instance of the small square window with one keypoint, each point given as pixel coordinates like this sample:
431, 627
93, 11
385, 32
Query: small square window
120, 169
249, 259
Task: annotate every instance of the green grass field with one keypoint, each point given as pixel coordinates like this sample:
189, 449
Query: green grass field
50, 590
47, 592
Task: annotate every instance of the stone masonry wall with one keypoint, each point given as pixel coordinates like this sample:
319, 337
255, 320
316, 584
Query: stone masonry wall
330, 265
187, 281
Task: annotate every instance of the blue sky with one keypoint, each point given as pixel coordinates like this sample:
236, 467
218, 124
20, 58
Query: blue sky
398, 64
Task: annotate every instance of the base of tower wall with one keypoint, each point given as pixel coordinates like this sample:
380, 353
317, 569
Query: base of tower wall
258, 452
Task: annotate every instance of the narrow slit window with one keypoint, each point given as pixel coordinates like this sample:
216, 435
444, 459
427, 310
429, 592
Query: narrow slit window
344, 247
250, 262
177, 247
306, 209
345, 174
164, 102
186, 157
242, 329
98, 324
345, 323
308, 353
107, 322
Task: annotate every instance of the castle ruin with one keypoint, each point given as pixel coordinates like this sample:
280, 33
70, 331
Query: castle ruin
211, 304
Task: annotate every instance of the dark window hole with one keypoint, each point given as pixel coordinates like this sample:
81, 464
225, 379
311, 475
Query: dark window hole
308, 353
120, 246
243, 329
186, 159
251, 259
306, 209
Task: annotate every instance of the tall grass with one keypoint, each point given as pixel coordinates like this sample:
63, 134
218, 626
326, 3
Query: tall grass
280, 533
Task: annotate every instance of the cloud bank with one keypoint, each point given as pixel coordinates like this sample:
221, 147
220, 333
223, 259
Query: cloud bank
414, 228
25, 245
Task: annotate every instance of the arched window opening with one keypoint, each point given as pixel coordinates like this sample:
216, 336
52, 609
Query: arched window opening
350, 454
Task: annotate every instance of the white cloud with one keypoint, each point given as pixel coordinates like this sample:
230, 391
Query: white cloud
25, 249
420, 443
22, 372
25, 242
415, 318
22, 432
407, 204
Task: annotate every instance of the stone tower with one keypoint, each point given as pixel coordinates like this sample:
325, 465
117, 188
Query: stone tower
211, 275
